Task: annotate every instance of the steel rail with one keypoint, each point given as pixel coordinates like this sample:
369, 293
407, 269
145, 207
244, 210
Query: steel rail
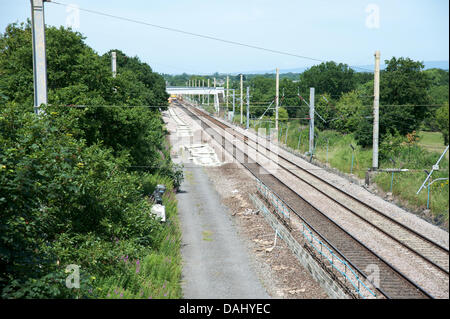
393, 269
375, 210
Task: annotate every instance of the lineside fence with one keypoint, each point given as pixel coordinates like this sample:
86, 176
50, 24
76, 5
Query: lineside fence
331, 258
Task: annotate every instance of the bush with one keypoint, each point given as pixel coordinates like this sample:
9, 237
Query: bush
73, 180
442, 121
63, 202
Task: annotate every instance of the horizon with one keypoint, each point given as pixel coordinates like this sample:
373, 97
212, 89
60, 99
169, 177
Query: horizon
293, 70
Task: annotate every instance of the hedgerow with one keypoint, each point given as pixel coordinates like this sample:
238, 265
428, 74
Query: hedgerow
75, 180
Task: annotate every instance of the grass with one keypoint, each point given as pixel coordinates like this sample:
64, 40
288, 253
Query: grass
207, 235
432, 141
157, 275
338, 155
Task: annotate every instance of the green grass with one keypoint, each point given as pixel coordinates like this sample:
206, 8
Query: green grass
207, 235
405, 185
157, 274
432, 141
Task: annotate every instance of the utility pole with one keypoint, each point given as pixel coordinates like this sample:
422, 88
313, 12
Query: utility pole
208, 91
311, 121
242, 97
114, 63
234, 102
277, 97
228, 87
203, 95
198, 95
39, 58
376, 110
248, 107
195, 85
216, 96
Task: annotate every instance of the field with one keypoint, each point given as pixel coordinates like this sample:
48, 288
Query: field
432, 141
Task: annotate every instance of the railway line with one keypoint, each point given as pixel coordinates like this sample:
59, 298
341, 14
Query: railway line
431, 252
393, 284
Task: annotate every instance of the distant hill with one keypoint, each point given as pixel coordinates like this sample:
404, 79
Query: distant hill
428, 65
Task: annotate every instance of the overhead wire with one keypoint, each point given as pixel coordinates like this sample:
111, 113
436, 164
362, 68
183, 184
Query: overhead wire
199, 35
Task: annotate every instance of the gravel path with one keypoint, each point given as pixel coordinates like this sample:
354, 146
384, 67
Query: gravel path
216, 264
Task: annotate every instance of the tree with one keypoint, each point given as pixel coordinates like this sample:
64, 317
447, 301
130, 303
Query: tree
328, 77
438, 77
404, 100
403, 96
438, 93
442, 121
325, 111
348, 112
79, 76
73, 179
363, 77
295, 107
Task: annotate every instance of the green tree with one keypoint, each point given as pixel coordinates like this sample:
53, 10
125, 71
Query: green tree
438, 93
403, 96
294, 106
328, 77
262, 91
78, 76
57, 193
72, 178
349, 112
325, 111
404, 99
442, 121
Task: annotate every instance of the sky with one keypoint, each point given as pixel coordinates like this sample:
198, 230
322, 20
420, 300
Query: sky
345, 31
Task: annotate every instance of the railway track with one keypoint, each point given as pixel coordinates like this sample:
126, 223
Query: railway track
433, 253
393, 284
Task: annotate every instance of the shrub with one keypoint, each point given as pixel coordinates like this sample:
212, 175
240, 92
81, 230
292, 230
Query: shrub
63, 202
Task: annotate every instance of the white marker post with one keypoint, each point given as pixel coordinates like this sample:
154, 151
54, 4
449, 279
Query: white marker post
114, 63
311, 121
376, 110
39, 57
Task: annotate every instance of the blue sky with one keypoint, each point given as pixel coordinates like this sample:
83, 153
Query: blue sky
345, 31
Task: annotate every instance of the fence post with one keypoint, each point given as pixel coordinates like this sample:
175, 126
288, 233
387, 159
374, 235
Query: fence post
285, 139
248, 107
353, 155
392, 181
327, 149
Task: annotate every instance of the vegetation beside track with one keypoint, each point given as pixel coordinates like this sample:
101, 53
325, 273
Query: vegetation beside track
75, 180
407, 152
